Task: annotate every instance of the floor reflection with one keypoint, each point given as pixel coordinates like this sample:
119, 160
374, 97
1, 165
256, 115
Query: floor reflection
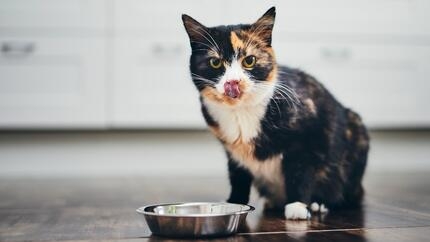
224, 239
306, 230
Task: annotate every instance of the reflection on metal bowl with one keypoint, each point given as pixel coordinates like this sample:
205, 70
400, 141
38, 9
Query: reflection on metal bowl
195, 219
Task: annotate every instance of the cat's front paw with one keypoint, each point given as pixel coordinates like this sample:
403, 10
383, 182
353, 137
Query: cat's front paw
315, 208
296, 210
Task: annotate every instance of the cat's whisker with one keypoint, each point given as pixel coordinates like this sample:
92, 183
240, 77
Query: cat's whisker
288, 91
266, 87
200, 77
288, 98
209, 46
212, 42
201, 80
264, 90
285, 95
256, 32
195, 50
295, 98
288, 74
202, 84
249, 42
210, 36
249, 36
277, 106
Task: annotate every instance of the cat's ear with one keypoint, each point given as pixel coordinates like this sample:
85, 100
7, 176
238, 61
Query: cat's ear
195, 30
264, 25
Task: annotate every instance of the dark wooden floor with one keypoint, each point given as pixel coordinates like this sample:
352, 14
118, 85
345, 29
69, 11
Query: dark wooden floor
397, 208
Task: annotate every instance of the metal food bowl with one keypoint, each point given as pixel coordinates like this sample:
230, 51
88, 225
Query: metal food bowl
196, 219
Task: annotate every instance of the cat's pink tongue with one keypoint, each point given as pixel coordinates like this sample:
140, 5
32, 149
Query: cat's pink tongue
231, 88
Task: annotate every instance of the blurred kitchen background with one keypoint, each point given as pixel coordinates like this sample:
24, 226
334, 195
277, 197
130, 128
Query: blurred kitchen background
101, 87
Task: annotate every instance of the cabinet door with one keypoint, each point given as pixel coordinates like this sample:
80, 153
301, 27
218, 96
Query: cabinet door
34, 15
152, 86
144, 17
52, 83
368, 17
387, 84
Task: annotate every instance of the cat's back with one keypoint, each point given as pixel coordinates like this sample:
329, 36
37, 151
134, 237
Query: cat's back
317, 107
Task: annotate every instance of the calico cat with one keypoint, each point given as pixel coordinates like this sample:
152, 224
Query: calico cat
283, 132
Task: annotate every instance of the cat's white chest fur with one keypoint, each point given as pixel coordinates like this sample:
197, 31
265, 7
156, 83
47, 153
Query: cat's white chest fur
242, 123
268, 174
237, 128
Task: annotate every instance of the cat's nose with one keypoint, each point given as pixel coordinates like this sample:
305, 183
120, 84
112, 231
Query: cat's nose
231, 88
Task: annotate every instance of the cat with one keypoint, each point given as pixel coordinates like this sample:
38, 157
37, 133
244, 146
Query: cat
282, 130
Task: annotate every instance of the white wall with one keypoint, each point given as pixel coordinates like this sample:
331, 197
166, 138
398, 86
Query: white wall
167, 153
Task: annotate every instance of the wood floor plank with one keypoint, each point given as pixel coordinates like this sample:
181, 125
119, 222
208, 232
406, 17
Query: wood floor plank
413, 234
104, 209
405, 190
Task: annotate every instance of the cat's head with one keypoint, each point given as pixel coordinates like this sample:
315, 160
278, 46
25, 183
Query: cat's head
233, 65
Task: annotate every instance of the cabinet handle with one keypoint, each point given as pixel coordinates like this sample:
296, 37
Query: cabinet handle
160, 50
18, 48
336, 54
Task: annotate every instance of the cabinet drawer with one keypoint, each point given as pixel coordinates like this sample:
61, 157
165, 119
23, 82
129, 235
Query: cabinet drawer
387, 85
143, 17
52, 83
18, 14
152, 85
373, 17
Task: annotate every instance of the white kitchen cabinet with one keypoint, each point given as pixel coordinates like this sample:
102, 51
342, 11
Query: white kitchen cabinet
387, 84
52, 82
124, 63
163, 17
53, 64
371, 54
373, 17
152, 85
340, 17
41, 15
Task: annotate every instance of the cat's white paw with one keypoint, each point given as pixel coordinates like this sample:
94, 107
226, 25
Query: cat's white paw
323, 208
296, 210
314, 207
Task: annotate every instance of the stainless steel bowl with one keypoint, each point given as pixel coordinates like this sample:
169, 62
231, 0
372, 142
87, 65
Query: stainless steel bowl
195, 219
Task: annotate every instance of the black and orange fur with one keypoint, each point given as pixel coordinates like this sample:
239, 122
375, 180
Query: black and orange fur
324, 145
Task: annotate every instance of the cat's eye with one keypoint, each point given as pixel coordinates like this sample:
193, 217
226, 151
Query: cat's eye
215, 63
249, 61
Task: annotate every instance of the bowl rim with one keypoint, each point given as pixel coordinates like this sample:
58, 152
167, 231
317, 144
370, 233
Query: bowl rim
141, 210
